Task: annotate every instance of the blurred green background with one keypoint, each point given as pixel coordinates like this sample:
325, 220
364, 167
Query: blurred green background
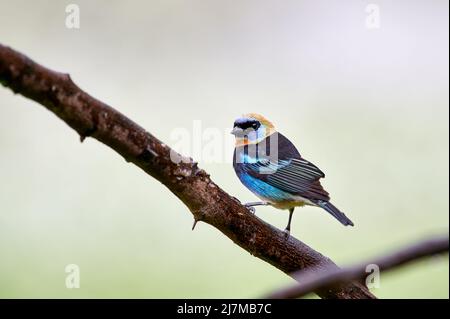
368, 106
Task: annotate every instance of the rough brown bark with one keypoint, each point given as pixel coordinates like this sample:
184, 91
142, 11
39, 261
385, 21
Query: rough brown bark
192, 185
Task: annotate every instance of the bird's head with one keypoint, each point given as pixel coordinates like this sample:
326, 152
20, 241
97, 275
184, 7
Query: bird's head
251, 129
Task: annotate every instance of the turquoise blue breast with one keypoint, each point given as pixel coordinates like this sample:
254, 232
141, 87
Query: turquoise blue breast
258, 186
262, 189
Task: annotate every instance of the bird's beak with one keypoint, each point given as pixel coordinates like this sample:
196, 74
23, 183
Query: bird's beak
235, 130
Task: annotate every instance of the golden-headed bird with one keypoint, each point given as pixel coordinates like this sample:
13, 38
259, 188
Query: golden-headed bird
269, 165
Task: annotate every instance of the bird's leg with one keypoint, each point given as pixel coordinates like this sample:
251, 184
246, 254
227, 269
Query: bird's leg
287, 230
251, 208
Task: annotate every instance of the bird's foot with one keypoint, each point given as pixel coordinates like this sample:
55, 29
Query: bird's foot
250, 208
287, 233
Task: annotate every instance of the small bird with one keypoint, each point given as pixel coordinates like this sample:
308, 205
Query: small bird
270, 166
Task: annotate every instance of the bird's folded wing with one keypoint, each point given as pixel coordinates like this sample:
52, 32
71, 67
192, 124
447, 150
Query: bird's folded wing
296, 176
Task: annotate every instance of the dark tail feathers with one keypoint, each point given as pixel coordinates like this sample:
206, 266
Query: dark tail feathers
340, 216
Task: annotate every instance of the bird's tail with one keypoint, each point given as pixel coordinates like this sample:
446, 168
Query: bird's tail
340, 216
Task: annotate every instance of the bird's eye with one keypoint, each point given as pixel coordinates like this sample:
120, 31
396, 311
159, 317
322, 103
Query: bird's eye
255, 125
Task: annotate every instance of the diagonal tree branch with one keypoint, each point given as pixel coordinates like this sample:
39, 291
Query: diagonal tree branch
313, 281
192, 185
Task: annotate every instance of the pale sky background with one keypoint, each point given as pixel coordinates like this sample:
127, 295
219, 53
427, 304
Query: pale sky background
368, 106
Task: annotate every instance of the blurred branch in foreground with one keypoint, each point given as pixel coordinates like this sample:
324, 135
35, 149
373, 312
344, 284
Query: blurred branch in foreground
312, 281
192, 185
